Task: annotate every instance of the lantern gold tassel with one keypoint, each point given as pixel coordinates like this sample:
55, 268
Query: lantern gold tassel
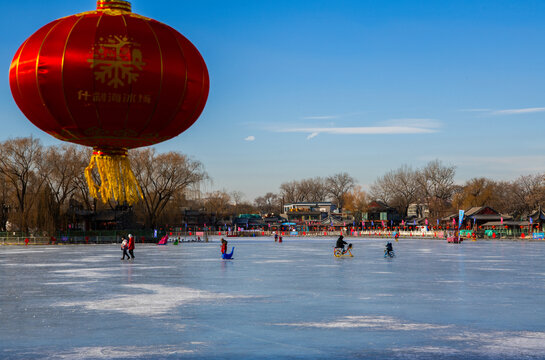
117, 181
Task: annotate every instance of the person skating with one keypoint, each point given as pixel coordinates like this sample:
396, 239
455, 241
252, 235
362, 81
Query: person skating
131, 246
341, 243
389, 249
125, 248
223, 246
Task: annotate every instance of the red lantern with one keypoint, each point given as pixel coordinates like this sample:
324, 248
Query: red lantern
113, 80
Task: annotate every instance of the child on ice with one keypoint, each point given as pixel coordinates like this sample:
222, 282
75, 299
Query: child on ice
125, 247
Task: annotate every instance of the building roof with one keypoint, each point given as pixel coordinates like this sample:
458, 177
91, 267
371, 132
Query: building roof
311, 203
481, 210
537, 215
506, 223
480, 213
378, 205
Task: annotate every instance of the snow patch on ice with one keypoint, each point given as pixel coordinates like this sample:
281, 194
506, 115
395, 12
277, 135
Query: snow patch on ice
157, 300
96, 259
517, 343
125, 352
437, 350
493, 269
426, 251
372, 322
70, 282
505, 343
93, 273
46, 265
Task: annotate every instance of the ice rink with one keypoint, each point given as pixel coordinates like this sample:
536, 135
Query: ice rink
293, 300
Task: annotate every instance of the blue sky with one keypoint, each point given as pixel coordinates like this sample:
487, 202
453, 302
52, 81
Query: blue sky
311, 88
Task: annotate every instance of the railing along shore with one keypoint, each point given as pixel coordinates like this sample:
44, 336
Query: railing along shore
203, 236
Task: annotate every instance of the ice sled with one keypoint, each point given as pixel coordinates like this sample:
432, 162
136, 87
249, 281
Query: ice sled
454, 240
228, 256
163, 240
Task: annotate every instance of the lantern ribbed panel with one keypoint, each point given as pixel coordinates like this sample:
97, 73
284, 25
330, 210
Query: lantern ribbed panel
109, 79
112, 80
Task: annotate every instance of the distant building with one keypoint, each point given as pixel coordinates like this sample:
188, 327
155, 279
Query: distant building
418, 211
537, 219
248, 221
308, 211
379, 211
478, 216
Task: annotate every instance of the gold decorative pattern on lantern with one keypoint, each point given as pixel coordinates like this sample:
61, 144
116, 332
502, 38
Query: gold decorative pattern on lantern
116, 61
113, 4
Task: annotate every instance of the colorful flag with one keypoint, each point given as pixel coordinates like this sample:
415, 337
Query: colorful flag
501, 220
461, 217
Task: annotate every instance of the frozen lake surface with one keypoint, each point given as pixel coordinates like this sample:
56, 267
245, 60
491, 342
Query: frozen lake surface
477, 300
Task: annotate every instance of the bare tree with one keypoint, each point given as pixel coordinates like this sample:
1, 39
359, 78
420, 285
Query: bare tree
267, 204
6, 194
237, 198
526, 194
338, 186
398, 188
161, 176
315, 189
81, 192
436, 184
22, 165
218, 202
289, 192
65, 164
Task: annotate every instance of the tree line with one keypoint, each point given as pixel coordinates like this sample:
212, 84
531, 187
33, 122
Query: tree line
41, 186
433, 186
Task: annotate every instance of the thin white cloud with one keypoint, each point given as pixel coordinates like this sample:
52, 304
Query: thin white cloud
475, 110
321, 117
361, 130
250, 138
414, 123
519, 111
389, 127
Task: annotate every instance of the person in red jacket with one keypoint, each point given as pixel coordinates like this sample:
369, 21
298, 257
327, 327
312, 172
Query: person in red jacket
223, 246
131, 245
